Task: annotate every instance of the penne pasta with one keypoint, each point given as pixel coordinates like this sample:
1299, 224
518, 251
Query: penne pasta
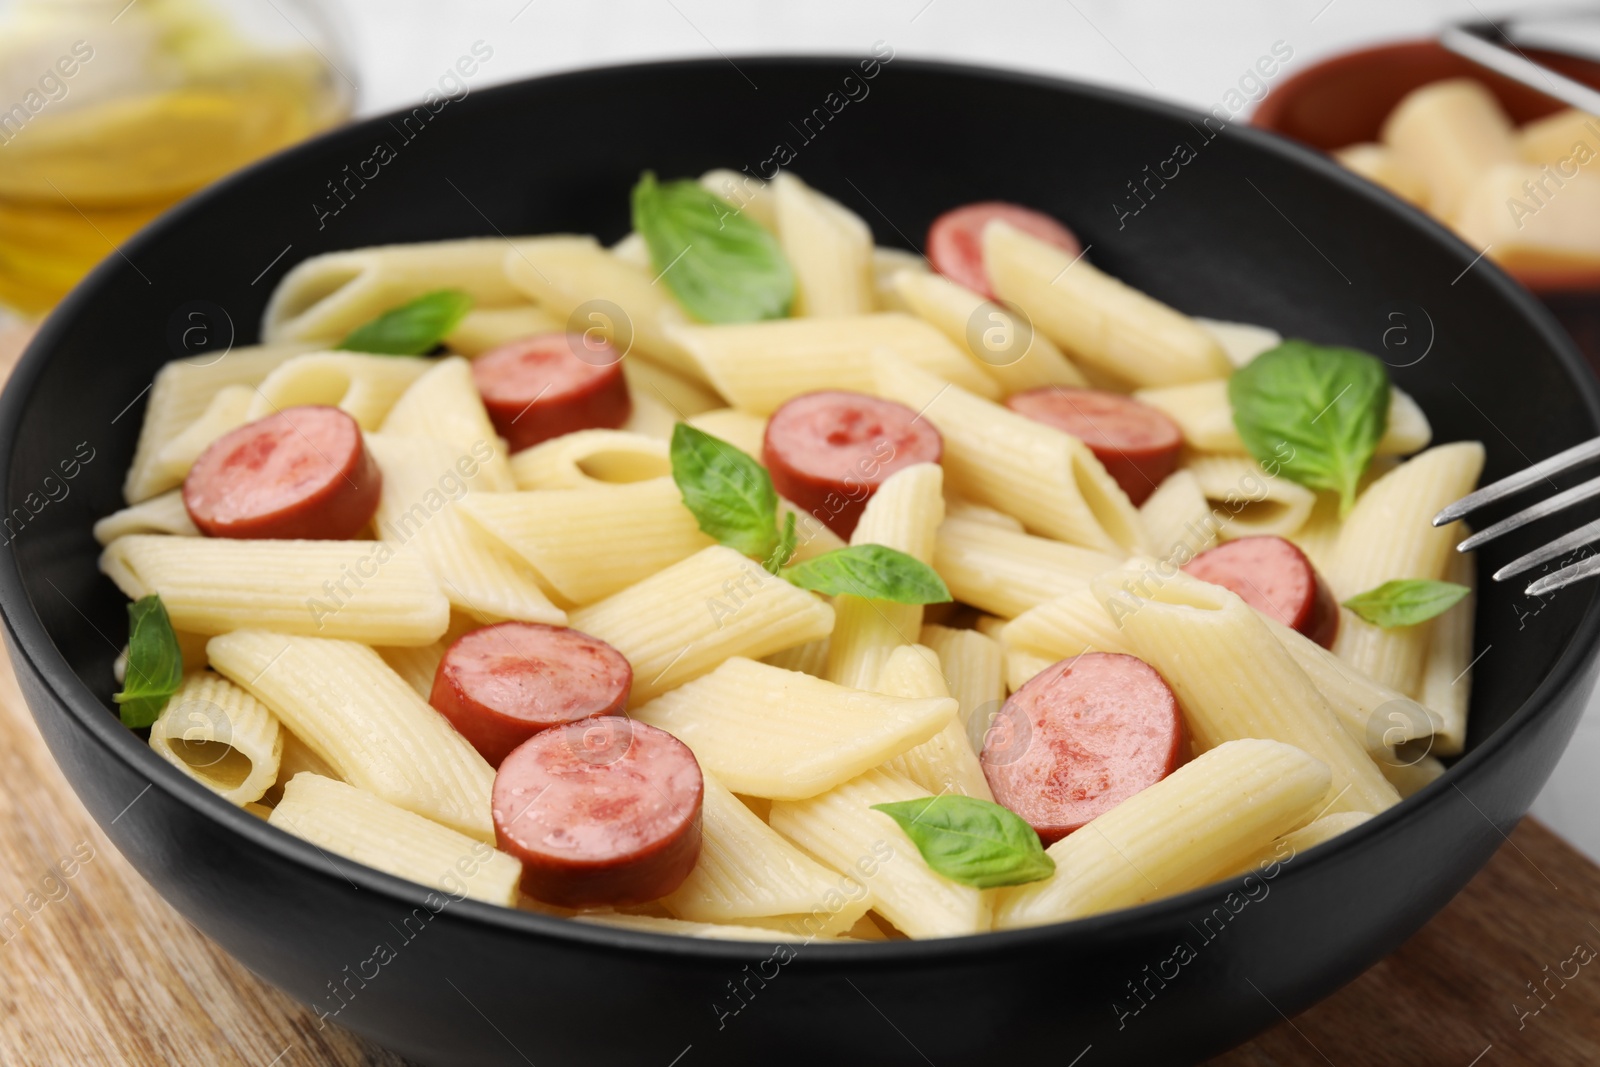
1309, 836
887, 265
1240, 341
221, 736
946, 762
1409, 773
1020, 670
484, 329
975, 670
810, 658
1245, 500
163, 514
1446, 669
228, 410
444, 404
828, 247
1203, 413
1005, 572
684, 396
747, 195
1178, 524
957, 508
589, 459
1066, 626
744, 431
365, 387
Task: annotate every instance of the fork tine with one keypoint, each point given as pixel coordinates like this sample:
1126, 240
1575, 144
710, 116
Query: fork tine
1564, 577
1516, 483
1560, 501
1586, 534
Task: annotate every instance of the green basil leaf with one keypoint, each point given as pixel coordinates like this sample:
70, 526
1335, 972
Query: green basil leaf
411, 329
784, 552
875, 572
722, 265
155, 665
1406, 601
730, 494
974, 842
1313, 413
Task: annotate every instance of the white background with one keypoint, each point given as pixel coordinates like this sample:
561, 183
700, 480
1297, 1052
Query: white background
1183, 50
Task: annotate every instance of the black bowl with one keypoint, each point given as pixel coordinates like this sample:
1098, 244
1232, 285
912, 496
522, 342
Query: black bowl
1249, 228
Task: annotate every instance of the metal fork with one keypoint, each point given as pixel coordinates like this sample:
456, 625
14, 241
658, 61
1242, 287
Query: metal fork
1586, 534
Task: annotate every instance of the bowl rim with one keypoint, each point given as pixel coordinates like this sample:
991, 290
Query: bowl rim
35, 652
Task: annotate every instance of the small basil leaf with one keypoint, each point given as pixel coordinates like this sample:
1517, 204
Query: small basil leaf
787, 540
875, 572
974, 842
411, 329
1312, 412
721, 265
155, 665
1406, 601
729, 494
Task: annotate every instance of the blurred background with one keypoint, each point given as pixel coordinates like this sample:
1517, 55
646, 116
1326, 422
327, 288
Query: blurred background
111, 110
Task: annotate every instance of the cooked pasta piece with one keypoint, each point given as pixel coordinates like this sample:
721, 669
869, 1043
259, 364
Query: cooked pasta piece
747, 870
957, 508
946, 762
1020, 669
1245, 500
887, 265
420, 511
221, 736
588, 459
650, 417
975, 669
444, 404
1102, 321
685, 397
1286, 848
346, 821
840, 828
1178, 524
750, 196
1408, 773
228, 410
361, 590
681, 622
1389, 534
1068, 625
829, 248
810, 658
362, 718
1003, 343
1006, 573
1241, 341
483, 329
297, 757
1202, 412
590, 543
1446, 670
164, 514
1200, 823
741, 429
760, 365
1234, 679
768, 732
365, 387
418, 664
1048, 479
327, 296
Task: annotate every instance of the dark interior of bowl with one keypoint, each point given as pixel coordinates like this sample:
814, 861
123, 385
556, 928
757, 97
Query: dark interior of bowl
1245, 227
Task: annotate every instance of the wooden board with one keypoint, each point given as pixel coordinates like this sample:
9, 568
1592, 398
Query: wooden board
99, 970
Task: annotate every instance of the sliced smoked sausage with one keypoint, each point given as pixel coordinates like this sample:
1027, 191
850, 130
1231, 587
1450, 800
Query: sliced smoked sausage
544, 386
1137, 444
600, 811
303, 472
1274, 577
828, 452
955, 240
501, 684
1079, 738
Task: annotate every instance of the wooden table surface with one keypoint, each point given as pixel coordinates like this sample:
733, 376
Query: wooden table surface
99, 970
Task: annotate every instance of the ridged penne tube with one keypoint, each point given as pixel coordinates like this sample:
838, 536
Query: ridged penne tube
685, 396
1006, 573
587, 286
327, 296
768, 732
904, 514
1049, 480
760, 365
484, 329
1318, 536
1020, 669
956, 507
975, 670
346, 821
1099, 319
1234, 679
1198, 824
1068, 625
424, 482
650, 417
828, 246
1316, 832
362, 718
297, 757
418, 664
1408, 773
1203, 413
444, 404
228, 410
1004, 344
361, 590
744, 431
182, 391
365, 387
221, 736
1245, 500
633, 249
840, 828
887, 265
587, 544
748, 195
1450, 132
946, 762
1241, 341
1177, 518
589, 459
747, 870
163, 514
681, 622
1389, 534
810, 658
1446, 674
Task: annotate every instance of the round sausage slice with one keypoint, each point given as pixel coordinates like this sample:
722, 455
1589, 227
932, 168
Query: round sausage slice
600, 811
955, 240
828, 452
1079, 738
544, 386
1137, 444
1274, 577
303, 472
500, 685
